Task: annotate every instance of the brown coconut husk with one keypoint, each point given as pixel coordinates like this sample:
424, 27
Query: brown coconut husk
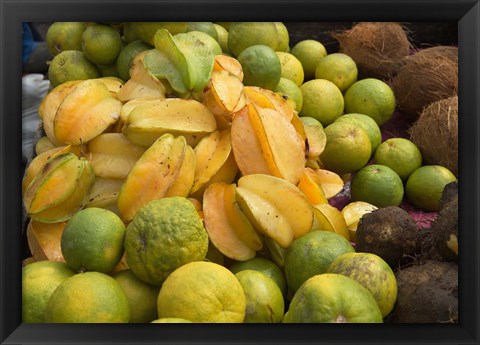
436, 133
378, 48
426, 76
450, 52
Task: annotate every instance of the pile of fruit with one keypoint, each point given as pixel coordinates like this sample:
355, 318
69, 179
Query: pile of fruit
211, 172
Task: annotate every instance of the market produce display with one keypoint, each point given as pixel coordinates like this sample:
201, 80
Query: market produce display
215, 172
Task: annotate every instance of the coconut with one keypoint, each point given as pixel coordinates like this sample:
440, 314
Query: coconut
378, 48
436, 133
426, 76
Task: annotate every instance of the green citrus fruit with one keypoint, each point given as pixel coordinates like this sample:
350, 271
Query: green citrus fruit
373, 273
261, 67
311, 254
332, 298
425, 186
93, 240
367, 124
399, 154
39, 281
164, 235
378, 185
348, 148
63, 36
371, 97
126, 56
71, 65
288, 88
322, 100
263, 297
222, 35
101, 44
265, 266
291, 67
206, 27
145, 31
309, 52
338, 68
90, 297
202, 291
242, 35
142, 297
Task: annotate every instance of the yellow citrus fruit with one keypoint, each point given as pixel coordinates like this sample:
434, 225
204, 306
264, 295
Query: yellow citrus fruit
126, 56
263, 297
371, 97
261, 67
63, 36
373, 273
366, 123
71, 65
291, 67
164, 235
202, 291
90, 297
93, 240
338, 68
142, 297
332, 298
322, 100
101, 44
242, 35
309, 52
399, 154
378, 185
265, 266
348, 148
311, 254
425, 186
171, 320
39, 281
222, 39
288, 88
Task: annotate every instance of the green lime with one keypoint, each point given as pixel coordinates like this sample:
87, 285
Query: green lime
261, 67
400, 154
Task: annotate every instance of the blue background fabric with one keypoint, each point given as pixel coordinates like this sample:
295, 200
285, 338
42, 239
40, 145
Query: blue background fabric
28, 42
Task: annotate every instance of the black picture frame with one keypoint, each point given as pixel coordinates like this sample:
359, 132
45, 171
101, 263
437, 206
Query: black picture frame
465, 12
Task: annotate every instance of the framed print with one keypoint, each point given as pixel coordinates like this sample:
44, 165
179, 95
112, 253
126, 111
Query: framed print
187, 73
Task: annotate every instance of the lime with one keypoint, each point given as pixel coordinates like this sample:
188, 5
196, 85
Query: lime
399, 154
261, 67
338, 68
63, 36
71, 65
222, 35
371, 97
206, 27
425, 186
291, 90
378, 185
291, 67
322, 100
367, 124
126, 56
93, 240
101, 44
309, 52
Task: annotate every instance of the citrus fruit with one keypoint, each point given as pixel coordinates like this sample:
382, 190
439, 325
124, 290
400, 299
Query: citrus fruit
261, 67
171, 320
126, 56
164, 235
291, 67
39, 281
338, 68
63, 36
101, 44
311, 254
242, 35
145, 31
90, 297
322, 100
288, 88
265, 266
71, 65
332, 298
425, 186
202, 291
264, 300
206, 27
366, 123
142, 297
378, 185
371, 97
373, 273
399, 154
309, 52
348, 148
222, 39
93, 240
